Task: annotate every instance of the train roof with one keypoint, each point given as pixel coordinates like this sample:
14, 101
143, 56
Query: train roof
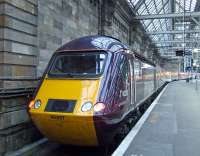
98, 42
95, 42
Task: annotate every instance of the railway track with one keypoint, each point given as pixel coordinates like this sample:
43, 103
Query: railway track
54, 149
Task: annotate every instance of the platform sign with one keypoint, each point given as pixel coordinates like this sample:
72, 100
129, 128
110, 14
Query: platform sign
187, 52
180, 53
187, 69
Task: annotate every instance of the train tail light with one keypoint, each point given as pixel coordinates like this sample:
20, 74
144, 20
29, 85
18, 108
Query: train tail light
99, 107
31, 104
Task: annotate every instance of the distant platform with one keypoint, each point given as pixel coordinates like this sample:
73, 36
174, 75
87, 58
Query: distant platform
170, 126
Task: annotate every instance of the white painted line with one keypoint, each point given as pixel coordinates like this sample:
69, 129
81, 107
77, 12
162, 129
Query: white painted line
122, 148
27, 148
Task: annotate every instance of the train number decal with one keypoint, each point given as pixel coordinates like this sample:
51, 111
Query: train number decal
56, 117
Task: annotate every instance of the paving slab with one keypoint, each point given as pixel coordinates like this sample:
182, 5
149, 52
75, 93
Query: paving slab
173, 125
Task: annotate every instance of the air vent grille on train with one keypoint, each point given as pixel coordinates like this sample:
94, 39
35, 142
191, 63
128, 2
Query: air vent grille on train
57, 105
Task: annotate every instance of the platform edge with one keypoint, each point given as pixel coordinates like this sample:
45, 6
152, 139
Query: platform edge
122, 148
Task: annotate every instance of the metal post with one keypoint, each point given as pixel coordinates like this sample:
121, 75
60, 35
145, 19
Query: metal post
196, 84
179, 69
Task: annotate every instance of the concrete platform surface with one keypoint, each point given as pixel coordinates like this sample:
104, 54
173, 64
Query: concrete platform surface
173, 126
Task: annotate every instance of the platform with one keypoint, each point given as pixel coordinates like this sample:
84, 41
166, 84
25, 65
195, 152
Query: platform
170, 127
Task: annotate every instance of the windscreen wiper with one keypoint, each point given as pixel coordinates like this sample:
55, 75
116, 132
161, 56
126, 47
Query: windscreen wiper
69, 75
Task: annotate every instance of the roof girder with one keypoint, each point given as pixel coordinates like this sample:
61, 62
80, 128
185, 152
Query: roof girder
169, 15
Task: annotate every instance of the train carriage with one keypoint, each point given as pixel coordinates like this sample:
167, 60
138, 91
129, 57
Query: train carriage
89, 89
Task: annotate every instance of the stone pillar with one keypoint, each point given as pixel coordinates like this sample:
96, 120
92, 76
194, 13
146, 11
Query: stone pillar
107, 13
18, 60
18, 45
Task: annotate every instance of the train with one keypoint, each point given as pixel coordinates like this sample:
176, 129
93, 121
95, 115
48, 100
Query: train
89, 90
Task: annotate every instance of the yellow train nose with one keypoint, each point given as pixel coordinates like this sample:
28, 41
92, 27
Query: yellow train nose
67, 129
61, 116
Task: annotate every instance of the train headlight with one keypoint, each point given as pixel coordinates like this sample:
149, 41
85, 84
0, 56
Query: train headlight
86, 107
99, 107
37, 104
31, 104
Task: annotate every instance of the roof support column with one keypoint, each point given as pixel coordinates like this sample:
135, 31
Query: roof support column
171, 20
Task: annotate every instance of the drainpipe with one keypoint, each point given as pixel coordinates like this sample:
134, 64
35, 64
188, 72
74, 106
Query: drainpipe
100, 17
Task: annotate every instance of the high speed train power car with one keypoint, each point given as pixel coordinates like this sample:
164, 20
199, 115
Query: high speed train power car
89, 89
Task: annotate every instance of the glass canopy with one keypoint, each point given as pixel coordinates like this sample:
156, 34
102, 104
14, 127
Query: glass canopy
172, 24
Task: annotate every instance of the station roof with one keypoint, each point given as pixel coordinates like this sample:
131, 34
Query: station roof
172, 24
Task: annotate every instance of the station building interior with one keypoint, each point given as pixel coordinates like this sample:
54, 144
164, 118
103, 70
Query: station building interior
159, 37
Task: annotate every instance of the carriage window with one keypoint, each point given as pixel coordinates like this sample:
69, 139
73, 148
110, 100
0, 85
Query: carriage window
78, 65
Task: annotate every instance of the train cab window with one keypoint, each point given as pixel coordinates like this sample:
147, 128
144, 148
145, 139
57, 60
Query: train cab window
78, 65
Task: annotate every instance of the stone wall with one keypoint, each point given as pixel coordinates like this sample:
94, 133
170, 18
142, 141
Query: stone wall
31, 30
61, 21
18, 60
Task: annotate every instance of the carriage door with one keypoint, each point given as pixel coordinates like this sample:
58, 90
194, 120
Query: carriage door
125, 89
132, 84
